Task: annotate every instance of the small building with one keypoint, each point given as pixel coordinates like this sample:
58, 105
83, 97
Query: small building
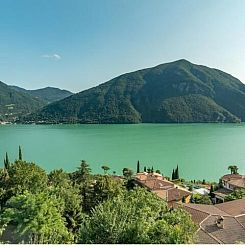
233, 181
230, 182
163, 188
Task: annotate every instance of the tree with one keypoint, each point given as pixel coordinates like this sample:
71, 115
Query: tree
20, 154
177, 172
105, 188
158, 171
201, 199
145, 169
82, 174
105, 168
138, 167
173, 175
6, 162
62, 188
127, 173
83, 178
25, 176
233, 169
137, 216
236, 194
211, 192
58, 178
34, 218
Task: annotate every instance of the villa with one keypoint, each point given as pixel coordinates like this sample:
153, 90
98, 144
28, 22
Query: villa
230, 182
164, 188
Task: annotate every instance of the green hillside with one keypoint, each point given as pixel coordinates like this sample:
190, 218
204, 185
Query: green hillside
174, 92
48, 94
13, 103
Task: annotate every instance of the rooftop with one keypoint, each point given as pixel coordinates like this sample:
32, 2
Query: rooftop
233, 221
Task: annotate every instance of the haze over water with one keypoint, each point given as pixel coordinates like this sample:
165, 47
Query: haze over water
202, 151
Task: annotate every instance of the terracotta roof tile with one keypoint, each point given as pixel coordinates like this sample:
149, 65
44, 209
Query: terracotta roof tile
241, 220
234, 208
205, 238
196, 215
176, 194
231, 233
208, 209
233, 214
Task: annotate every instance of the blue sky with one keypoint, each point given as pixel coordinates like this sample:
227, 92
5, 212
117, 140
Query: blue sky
77, 44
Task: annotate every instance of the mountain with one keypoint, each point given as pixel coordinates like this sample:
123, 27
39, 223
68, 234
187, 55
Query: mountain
173, 92
14, 103
48, 94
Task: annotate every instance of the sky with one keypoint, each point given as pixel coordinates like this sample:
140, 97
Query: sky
78, 44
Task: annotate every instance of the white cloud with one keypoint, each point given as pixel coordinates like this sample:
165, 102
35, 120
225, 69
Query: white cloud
51, 56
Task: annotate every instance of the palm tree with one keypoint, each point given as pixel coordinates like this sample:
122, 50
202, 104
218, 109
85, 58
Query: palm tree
233, 169
105, 168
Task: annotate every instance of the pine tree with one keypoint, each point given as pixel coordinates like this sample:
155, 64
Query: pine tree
138, 166
20, 154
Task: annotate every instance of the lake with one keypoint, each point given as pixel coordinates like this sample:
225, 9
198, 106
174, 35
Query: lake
202, 151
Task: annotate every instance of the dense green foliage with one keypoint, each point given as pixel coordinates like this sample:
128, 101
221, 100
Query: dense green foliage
174, 92
48, 94
137, 216
15, 103
60, 207
34, 218
236, 194
201, 199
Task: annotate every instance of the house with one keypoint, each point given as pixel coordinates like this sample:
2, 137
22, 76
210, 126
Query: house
233, 181
230, 182
222, 223
163, 188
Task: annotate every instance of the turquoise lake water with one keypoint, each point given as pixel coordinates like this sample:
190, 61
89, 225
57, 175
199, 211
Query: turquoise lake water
202, 151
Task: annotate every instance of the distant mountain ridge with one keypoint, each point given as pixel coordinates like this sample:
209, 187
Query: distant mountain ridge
173, 92
16, 101
48, 94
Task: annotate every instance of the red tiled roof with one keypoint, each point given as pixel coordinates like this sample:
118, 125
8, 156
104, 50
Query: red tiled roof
156, 184
176, 194
236, 180
234, 208
233, 214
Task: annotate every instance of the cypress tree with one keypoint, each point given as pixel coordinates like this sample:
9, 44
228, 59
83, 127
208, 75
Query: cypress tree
20, 154
138, 166
152, 169
177, 172
173, 175
6, 162
144, 168
211, 190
